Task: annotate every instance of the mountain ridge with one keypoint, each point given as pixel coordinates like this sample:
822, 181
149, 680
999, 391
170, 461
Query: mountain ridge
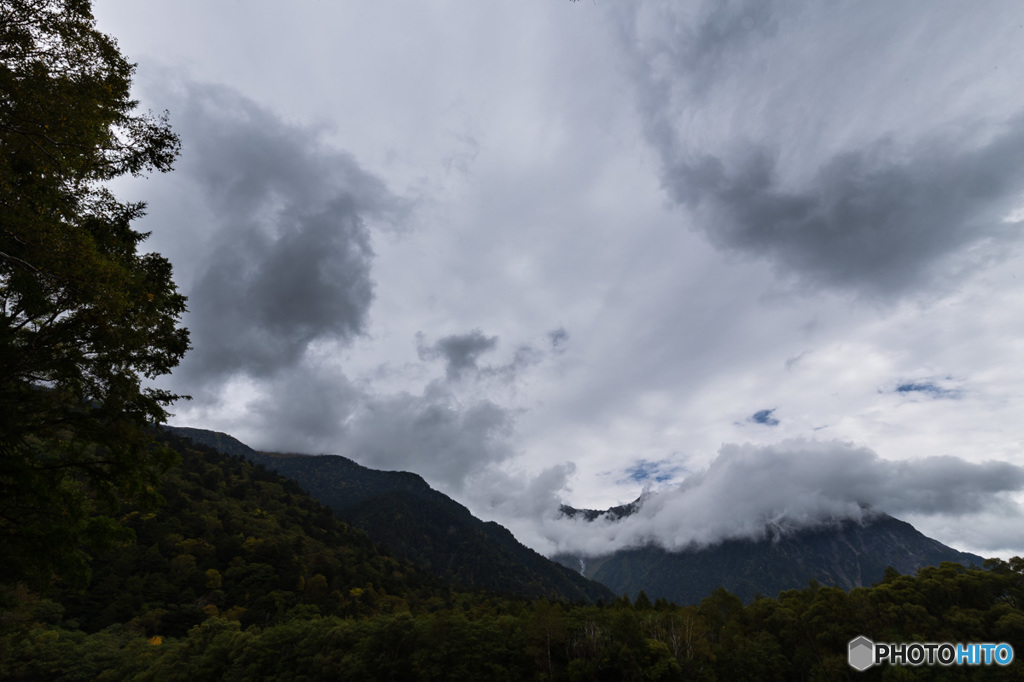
400, 511
843, 553
405, 515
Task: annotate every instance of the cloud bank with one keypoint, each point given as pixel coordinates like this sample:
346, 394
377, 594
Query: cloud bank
748, 489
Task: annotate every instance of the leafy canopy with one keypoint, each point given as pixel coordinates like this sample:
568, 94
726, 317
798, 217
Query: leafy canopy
84, 316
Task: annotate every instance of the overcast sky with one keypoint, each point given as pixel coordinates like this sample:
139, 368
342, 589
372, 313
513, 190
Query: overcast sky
759, 258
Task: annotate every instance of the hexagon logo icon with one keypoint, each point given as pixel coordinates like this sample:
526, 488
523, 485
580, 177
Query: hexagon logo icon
862, 653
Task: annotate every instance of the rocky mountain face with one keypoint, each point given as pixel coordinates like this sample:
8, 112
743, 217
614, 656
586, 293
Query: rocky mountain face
846, 554
402, 513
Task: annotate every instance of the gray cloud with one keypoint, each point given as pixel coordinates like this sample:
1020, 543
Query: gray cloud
883, 215
879, 221
558, 338
284, 271
524, 356
449, 439
314, 408
701, 42
795, 360
305, 409
289, 256
518, 499
795, 484
459, 351
432, 434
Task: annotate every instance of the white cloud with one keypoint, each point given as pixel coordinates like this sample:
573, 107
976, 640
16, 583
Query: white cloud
748, 489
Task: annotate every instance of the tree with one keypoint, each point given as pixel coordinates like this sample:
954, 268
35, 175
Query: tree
84, 316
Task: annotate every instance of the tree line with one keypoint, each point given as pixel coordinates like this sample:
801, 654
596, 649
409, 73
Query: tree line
241, 575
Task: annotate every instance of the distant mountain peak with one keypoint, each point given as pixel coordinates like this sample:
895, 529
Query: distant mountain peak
610, 514
774, 527
846, 553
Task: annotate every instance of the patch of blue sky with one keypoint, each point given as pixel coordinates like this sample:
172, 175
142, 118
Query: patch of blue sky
646, 471
764, 417
927, 387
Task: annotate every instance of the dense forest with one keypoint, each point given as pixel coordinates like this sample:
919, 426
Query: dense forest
240, 575
401, 512
132, 554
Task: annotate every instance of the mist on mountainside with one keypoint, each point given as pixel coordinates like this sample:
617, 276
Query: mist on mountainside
754, 492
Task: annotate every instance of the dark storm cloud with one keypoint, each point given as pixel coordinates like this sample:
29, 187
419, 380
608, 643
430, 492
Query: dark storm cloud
288, 257
812, 482
764, 417
878, 220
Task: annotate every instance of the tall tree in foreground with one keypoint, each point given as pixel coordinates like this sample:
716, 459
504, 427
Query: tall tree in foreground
83, 315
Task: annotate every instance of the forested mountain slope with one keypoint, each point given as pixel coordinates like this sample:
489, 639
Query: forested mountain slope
405, 515
241, 576
845, 554
236, 540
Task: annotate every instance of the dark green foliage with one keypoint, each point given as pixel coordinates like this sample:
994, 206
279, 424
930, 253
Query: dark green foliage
415, 522
242, 576
83, 314
236, 540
